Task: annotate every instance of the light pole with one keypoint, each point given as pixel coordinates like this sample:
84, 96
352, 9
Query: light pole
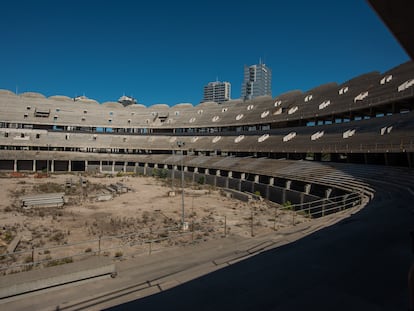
181, 145
47, 160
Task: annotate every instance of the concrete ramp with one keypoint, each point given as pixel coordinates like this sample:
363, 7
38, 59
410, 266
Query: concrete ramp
35, 280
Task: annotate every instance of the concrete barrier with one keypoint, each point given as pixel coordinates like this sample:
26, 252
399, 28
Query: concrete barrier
31, 281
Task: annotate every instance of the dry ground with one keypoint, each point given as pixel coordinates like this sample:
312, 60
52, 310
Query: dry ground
145, 213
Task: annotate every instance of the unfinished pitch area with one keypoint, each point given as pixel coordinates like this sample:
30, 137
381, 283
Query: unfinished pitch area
142, 217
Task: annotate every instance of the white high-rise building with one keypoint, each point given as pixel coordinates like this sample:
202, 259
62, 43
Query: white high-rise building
257, 81
217, 92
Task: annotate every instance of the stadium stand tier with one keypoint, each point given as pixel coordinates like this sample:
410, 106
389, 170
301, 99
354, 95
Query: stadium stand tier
366, 120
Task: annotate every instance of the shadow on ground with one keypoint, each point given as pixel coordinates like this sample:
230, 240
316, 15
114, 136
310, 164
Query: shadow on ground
360, 263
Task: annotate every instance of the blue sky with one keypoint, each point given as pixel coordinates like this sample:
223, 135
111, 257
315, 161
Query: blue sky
166, 51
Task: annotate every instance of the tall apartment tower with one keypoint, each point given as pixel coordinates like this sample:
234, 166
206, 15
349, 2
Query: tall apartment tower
257, 81
217, 92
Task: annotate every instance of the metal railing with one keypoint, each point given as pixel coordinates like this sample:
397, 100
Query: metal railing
147, 241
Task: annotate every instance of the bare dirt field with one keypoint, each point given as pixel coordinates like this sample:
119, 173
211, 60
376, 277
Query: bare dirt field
141, 218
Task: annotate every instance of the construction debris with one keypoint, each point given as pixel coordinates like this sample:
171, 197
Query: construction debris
43, 200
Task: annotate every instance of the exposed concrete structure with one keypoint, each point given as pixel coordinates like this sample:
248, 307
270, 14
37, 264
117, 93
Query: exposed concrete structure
28, 282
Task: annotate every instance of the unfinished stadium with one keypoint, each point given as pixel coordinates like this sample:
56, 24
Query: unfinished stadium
295, 147
332, 149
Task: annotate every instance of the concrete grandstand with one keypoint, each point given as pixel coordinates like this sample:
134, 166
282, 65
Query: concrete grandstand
338, 146
245, 145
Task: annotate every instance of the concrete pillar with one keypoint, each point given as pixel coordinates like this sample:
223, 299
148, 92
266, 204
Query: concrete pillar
230, 174
34, 165
196, 170
218, 173
328, 192
256, 178
145, 168
185, 168
288, 183
86, 165
243, 176
271, 181
206, 172
100, 166
52, 166
15, 166
70, 166
155, 165
307, 188
125, 166
113, 167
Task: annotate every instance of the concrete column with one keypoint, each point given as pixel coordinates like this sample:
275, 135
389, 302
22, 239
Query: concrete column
218, 173
34, 165
307, 188
230, 174
15, 166
288, 183
206, 172
185, 168
125, 166
70, 166
155, 165
100, 166
256, 178
86, 165
243, 176
145, 168
328, 192
196, 170
52, 166
271, 181
113, 167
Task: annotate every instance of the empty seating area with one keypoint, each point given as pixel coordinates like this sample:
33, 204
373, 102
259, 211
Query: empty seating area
366, 120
